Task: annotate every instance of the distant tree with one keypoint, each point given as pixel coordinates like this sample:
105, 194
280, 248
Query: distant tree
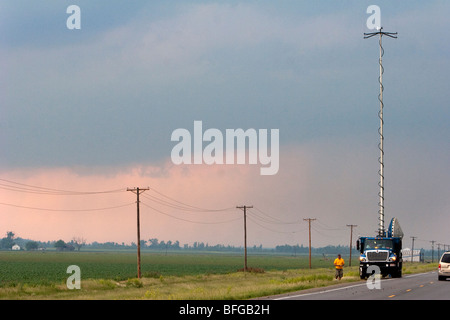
31, 245
78, 242
8, 241
153, 243
60, 245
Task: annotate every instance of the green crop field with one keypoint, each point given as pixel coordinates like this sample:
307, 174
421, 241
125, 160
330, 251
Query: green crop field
49, 267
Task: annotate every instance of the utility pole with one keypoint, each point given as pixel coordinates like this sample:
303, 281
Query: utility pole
432, 250
137, 191
381, 230
309, 222
412, 250
351, 234
245, 233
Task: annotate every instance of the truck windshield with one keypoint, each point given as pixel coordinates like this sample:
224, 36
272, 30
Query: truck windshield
378, 244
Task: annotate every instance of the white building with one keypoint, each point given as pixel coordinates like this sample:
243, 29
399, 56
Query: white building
15, 247
416, 256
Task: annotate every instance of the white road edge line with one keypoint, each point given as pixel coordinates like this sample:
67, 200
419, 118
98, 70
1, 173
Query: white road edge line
319, 292
347, 287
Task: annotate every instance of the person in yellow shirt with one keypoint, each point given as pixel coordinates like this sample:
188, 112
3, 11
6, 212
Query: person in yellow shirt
339, 264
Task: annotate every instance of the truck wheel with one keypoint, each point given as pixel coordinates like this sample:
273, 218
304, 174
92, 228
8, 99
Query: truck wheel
396, 274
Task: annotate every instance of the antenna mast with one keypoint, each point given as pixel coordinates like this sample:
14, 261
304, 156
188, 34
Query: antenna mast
381, 229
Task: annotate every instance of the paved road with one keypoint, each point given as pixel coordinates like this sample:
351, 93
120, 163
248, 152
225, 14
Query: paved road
422, 286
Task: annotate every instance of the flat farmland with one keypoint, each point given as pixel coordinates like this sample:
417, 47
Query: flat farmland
49, 267
172, 276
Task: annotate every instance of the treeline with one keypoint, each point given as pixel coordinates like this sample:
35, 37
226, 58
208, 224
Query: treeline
164, 246
322, 250
156, 245
153, 244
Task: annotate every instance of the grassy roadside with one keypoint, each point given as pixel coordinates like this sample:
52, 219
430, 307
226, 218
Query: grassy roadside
237, 285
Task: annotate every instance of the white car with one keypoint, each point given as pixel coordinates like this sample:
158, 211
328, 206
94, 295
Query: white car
444, 266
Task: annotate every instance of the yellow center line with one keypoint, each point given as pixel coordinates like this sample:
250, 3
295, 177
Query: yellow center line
392, 296
408, 290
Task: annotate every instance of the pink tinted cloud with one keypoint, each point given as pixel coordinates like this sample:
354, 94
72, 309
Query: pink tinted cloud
314, 181
210, 187
165, 208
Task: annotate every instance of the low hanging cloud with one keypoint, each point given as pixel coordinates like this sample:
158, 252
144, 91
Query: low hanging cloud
333, 181
170, 209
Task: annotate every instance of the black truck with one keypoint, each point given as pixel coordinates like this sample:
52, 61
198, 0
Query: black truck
383, 252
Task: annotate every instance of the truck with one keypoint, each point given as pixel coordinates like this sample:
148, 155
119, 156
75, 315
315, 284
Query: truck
383, 251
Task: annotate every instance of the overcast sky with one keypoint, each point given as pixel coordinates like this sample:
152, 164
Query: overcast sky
94, 109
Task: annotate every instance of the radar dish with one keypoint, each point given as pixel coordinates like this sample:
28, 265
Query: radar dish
394, 229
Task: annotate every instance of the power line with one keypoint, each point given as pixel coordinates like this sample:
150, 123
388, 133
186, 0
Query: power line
257, 216
328, 228
64, 210
187, 206
186, 220
171, 205
182, 207
323, 234
250, 217
271, 219
27, 188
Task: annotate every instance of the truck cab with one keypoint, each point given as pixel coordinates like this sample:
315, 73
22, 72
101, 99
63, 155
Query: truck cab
383, 252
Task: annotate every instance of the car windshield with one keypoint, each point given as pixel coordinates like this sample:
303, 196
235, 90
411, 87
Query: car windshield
446, 258
378, 244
